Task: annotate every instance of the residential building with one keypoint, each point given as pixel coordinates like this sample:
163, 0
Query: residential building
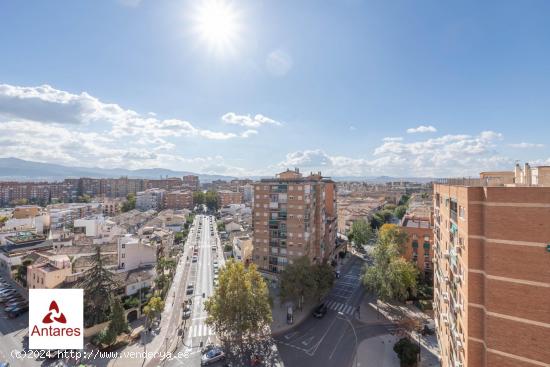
492, 269
191, 182
48, 271
291, 217
226, 197
134, 253
248, 193
151, 199
419, 245
179, 200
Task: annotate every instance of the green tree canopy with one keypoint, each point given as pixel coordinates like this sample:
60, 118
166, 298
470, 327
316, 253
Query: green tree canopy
407, 352
400, 211
360, 232
98, 284
198, 198
239, 310
130, 203
391, 277
297, 281
118, 323
323, 275
211, 200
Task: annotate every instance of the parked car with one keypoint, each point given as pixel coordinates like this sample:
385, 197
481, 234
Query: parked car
195, 258
320, 311
190, 289
212, 356
337, 274
17, 312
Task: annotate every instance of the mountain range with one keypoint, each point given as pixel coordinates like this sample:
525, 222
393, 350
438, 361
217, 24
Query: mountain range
15, 169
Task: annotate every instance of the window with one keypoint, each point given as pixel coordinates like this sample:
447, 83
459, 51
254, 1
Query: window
123, 245
461, 212
123, 255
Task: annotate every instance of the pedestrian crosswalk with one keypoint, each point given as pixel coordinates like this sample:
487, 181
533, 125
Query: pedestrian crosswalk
340, 307
196, 331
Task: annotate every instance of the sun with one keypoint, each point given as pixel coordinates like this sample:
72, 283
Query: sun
217, 24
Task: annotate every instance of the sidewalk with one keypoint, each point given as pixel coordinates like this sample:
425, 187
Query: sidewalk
377, 312
279, 313
377, 352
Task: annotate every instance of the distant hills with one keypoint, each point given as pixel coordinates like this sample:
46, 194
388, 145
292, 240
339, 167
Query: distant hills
15, 169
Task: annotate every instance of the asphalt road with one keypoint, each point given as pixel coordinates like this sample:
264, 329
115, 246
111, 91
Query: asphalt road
201, 275
333, 339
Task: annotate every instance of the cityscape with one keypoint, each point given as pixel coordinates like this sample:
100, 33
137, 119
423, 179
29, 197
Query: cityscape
240, 183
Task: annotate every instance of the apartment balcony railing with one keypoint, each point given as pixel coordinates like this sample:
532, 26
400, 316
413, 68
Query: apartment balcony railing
453, 215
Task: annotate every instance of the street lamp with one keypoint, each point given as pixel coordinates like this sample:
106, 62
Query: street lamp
340, 313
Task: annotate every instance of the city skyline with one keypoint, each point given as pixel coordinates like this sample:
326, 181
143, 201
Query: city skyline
247, 89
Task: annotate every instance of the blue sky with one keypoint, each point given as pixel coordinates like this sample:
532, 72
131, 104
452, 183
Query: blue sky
340, 86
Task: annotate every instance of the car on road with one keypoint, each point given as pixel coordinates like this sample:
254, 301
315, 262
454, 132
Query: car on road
337, 274
214, 248
17, 312
190, 289
186, 312
214, 355
195, 258
320, 311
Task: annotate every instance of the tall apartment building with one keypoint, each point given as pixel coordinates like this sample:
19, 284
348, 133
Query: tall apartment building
492, 269
191, 182
151, 199
293, 216
179, 200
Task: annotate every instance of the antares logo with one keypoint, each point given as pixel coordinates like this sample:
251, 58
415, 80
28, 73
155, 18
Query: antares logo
56, 319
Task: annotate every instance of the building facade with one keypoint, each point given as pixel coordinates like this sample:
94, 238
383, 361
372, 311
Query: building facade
226, 197
191, 182
419, 245
151, 199
293, 216
179, 200
492, 270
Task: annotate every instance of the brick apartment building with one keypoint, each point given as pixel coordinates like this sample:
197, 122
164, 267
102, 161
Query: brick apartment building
293, 216
179, 200
226, 197
419, 245
492, 269
191, 182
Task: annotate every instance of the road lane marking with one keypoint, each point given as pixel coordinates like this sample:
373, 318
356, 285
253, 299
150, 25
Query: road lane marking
291, 335
312, 350
308, 341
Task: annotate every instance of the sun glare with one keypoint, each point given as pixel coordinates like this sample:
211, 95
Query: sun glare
217, 25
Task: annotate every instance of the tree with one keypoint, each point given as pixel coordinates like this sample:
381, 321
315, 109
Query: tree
361, 233
297, 281
98, 284
84, 198
404, 199
118, 323
400, 211
391, 277
323, 275
21, 274
153, 308
130, 203
407, 352
211, 200
198, 198
240, 311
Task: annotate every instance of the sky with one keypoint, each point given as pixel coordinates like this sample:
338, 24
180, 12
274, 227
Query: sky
347, 87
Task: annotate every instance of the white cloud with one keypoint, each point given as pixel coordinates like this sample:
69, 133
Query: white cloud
390, 139
248, 121
524, 145
422, 129
352, 128
50, 125
448, 155
278, 63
